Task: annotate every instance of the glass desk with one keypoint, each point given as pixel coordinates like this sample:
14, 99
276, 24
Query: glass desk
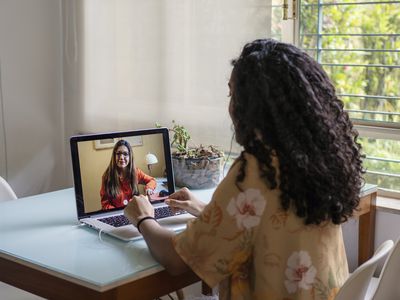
45, 251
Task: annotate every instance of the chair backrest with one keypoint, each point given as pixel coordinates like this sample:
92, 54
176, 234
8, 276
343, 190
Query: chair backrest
355, 287
6, 192
389, 284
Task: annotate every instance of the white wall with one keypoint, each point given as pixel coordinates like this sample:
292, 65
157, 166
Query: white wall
31, 80
350, 236
387, 227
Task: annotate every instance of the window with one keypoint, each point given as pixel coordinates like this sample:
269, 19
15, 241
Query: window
358, 44
282, 30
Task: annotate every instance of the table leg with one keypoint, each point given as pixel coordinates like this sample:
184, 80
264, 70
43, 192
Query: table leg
366, 237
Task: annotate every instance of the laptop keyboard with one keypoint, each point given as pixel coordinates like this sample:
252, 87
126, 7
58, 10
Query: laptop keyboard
116, 221
163, 212
121, 220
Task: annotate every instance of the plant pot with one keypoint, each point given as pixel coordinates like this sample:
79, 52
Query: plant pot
197, 173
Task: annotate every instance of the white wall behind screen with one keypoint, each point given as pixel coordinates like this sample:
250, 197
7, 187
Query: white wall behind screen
31, 71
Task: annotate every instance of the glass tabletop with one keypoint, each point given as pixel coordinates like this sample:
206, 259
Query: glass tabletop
42, 231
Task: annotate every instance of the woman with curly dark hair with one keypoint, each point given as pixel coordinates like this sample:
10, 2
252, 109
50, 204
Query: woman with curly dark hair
272, 229
286, 98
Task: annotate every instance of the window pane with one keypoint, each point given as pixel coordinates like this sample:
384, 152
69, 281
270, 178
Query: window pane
382, 162
276, 20
309, 13
359, 47
281, 30
357, 18
358, 44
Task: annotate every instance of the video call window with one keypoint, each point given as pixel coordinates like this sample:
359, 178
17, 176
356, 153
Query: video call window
113, 170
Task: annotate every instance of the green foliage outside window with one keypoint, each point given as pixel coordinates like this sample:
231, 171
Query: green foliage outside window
358, 45
362, 27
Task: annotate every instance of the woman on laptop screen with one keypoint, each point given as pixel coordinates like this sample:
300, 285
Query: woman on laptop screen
121, 178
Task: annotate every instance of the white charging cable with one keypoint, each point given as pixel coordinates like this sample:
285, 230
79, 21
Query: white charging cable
100, 232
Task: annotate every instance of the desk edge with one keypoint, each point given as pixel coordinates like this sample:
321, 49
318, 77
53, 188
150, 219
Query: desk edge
83, 282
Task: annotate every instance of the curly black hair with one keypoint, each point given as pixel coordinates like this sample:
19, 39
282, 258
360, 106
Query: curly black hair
284, 104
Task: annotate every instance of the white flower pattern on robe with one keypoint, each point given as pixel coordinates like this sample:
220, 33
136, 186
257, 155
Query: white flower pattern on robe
300, 272
247, 208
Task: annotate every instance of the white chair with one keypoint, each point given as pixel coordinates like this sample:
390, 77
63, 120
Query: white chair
387, 286
6, 192
356, 286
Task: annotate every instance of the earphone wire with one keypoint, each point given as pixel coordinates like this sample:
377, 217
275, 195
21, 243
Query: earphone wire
229, 155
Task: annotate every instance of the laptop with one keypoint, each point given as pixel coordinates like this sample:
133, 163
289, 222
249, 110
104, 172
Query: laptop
95, 162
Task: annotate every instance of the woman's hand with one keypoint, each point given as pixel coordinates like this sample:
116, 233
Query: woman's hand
186, 200
138, 208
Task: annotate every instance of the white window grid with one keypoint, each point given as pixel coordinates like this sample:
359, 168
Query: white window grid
366, 128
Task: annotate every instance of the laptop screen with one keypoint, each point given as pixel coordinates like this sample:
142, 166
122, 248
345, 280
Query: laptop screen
110, 168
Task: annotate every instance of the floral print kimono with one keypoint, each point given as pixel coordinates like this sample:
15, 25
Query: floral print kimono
253, 249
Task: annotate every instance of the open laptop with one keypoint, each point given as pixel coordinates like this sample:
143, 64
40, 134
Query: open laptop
92, 155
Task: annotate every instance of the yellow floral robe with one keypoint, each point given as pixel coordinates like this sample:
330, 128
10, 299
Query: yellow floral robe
247, 244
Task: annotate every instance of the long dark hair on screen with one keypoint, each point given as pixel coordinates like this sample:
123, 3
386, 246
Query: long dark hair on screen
284, 104
111, 177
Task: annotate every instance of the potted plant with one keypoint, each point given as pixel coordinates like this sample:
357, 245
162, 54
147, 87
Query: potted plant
194, 167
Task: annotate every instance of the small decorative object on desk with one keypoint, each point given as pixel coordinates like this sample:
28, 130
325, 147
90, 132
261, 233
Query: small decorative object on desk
194, 167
